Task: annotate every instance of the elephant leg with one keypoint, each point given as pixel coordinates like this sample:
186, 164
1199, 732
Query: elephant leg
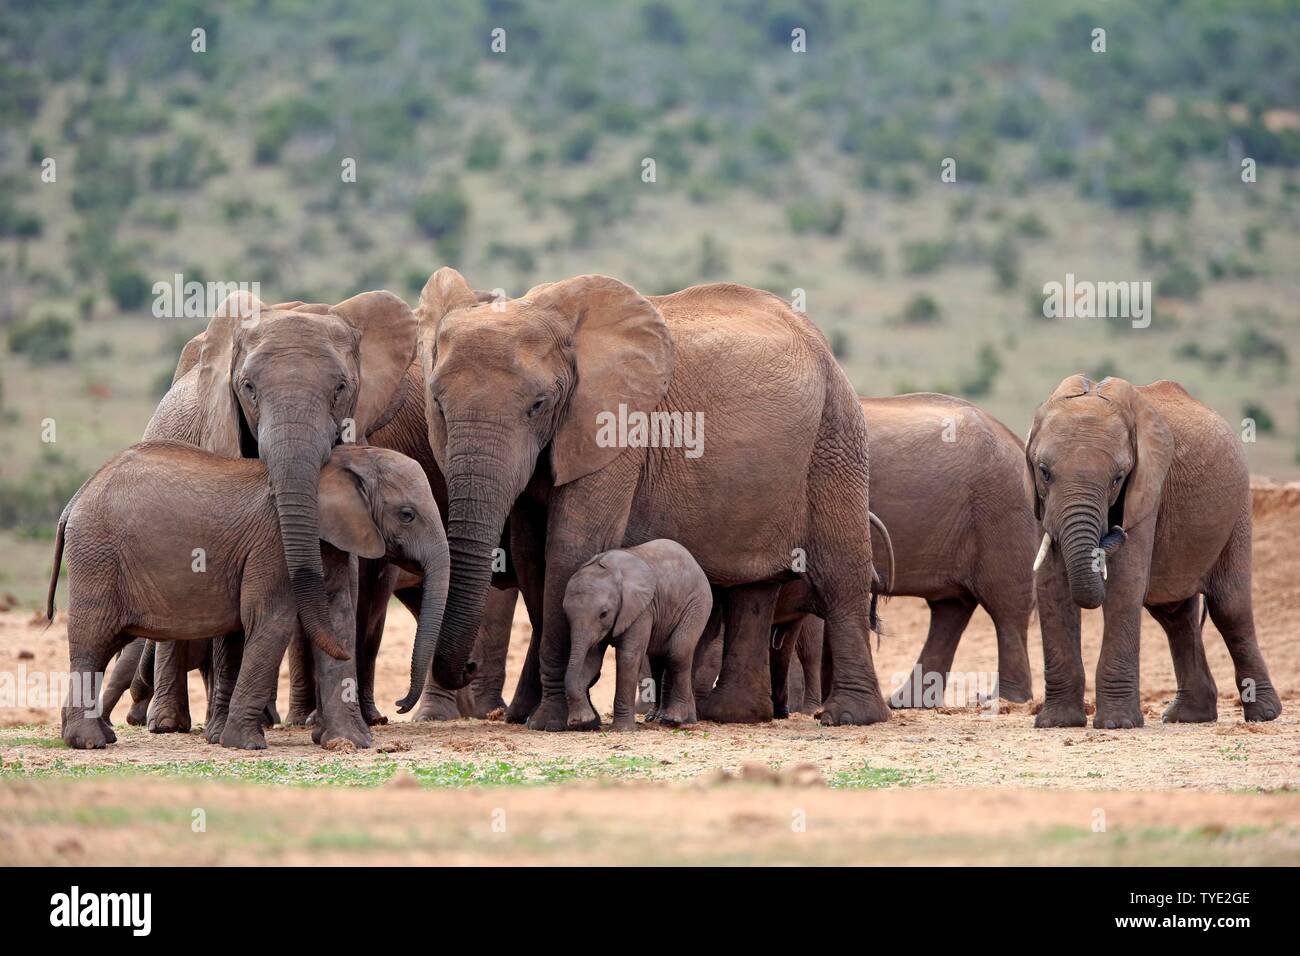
676, 703
142, 686
436, 701
855, 696
1197, 700
784, 640
492, 650
123, 674
90, 648
708, 652
268, 632
1119, 700
575, 531
169, 711
646, 677
377, 581
1229, 601
227, 657
812, 634
338, 712
924, 685
1015, 679
528, 539
1063, 677
629, 658
302, 682
744, 690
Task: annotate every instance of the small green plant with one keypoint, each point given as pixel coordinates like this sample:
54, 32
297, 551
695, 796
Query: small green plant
44, 340
921, 309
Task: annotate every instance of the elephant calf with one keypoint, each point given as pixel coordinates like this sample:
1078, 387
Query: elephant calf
651, 599
1143, 496
170, 542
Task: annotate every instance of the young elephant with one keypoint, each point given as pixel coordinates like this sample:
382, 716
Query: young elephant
170, 542
1143, 495
651, 599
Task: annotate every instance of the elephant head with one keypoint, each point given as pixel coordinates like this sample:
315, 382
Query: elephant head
286, 383
1095, 465
602, 600
376, 503
509, 380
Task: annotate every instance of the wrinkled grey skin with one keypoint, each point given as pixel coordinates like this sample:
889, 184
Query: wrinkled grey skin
652, 600
132, 573
1145, 494
283, 383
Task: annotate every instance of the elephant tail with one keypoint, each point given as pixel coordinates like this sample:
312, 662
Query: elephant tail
58, 554
886, 584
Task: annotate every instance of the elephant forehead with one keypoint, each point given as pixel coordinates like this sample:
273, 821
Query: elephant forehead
1087, 414
303, 331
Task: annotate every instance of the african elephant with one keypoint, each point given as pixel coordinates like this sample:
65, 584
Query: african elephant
200, 556
1149, 487
947, 481
651, 599
284, 383
540, 409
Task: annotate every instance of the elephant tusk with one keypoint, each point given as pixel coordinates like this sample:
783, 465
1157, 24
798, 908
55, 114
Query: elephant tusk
1103, 564
1042, 551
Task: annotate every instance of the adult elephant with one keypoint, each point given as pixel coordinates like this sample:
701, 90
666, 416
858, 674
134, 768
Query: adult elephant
284, 383
543, 405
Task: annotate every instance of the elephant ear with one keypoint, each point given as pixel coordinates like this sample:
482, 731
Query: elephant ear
1031, 469
444, 293
215, 354
1153, 452
623, 355
387, 327
636, 587
189, 357
346, 520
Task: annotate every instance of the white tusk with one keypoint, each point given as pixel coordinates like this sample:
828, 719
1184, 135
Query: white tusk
1103, 565
1042, 551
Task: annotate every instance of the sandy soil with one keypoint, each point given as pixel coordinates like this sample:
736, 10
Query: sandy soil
953, 785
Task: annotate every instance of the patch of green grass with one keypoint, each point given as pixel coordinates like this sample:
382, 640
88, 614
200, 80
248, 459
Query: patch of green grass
868, 777
450, 773
50, 742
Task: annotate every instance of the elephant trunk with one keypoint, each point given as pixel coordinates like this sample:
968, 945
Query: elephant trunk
478, 502
294, 471
1079, 537
433, 601
575, 676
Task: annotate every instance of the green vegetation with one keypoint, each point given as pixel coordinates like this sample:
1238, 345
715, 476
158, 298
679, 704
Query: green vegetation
782, 170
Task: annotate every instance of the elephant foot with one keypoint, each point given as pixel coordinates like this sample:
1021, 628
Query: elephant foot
682, 716
243, 737
1266, 705
853, 709
1062, 714
553, 715
89, 733
1190, 709
299, 716
1117, 716
359, 736
215, 728
781, 713
1014, 693
270, 716
437, 706
810, 707
168, 722
371, 714
485, 708
138, 715
729, 707
625, 726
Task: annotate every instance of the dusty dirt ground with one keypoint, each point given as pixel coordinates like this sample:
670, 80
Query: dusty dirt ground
948, 786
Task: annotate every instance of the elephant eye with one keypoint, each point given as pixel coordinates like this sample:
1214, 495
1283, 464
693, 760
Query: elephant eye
536, 407
249, 390
338, 389
407, 515
1045, 472
1118, 479
604, 614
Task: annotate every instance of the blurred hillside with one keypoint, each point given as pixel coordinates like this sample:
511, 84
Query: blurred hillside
817, 171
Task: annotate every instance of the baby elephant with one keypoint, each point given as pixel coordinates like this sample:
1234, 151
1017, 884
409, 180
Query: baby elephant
651, 599
169, 542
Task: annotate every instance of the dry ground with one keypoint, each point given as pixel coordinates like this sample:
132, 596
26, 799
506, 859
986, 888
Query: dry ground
950, 786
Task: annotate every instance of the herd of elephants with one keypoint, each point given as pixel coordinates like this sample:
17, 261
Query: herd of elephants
310, 462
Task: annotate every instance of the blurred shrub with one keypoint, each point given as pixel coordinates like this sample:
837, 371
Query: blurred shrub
825, 217
442, 213
43, 340
127, 287
1264, 423
1179, 282
921, 309
484, 150
1005, 259
926, 256
979, 382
